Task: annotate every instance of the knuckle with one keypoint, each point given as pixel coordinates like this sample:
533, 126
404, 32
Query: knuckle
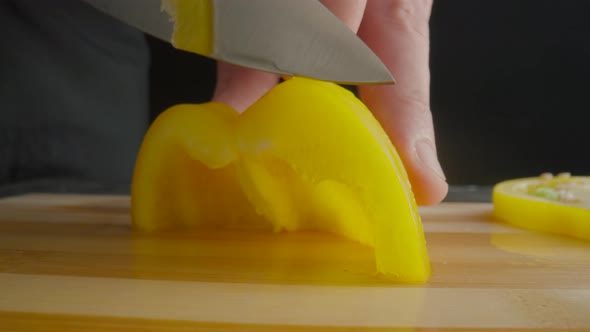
417, 102
410, 15
405, 10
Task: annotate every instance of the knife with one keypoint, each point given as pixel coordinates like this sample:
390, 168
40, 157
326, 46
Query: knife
287, 37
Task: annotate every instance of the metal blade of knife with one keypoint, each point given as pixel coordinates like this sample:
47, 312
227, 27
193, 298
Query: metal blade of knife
293, 38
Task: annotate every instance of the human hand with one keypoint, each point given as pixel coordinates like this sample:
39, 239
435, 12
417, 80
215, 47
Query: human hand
398, 32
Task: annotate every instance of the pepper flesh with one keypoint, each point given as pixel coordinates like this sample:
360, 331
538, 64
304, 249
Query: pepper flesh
307, 156
542, 204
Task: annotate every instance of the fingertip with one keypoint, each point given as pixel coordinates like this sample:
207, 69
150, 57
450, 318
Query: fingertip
409, 125
428, 189
426, 174
426, 155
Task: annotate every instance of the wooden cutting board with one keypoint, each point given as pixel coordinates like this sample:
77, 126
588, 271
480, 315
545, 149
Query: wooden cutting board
72, 262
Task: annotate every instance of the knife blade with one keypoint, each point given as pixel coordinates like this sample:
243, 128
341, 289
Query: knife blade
292, 38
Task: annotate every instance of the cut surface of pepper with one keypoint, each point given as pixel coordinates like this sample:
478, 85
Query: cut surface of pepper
307, 156
552, 204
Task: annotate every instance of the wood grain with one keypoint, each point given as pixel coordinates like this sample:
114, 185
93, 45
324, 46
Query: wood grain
72, 262
14, 321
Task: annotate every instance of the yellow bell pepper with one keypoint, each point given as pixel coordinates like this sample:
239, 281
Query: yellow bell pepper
307, 156
551, 204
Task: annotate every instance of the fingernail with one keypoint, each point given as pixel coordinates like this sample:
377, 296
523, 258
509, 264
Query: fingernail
427, 156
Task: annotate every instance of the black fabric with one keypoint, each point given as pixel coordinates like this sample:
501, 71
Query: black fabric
73, 92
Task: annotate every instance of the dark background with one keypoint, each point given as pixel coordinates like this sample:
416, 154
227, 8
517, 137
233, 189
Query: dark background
509, 86
509, 92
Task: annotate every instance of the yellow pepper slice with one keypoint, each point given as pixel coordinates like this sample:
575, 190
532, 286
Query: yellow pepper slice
307, 156
551, 204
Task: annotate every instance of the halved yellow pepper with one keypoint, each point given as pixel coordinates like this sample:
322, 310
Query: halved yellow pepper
307, 156
551, 204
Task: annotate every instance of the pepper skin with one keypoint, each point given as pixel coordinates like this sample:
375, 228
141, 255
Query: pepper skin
307, 156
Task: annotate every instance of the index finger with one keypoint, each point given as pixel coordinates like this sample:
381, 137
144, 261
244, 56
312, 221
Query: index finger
398, 32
